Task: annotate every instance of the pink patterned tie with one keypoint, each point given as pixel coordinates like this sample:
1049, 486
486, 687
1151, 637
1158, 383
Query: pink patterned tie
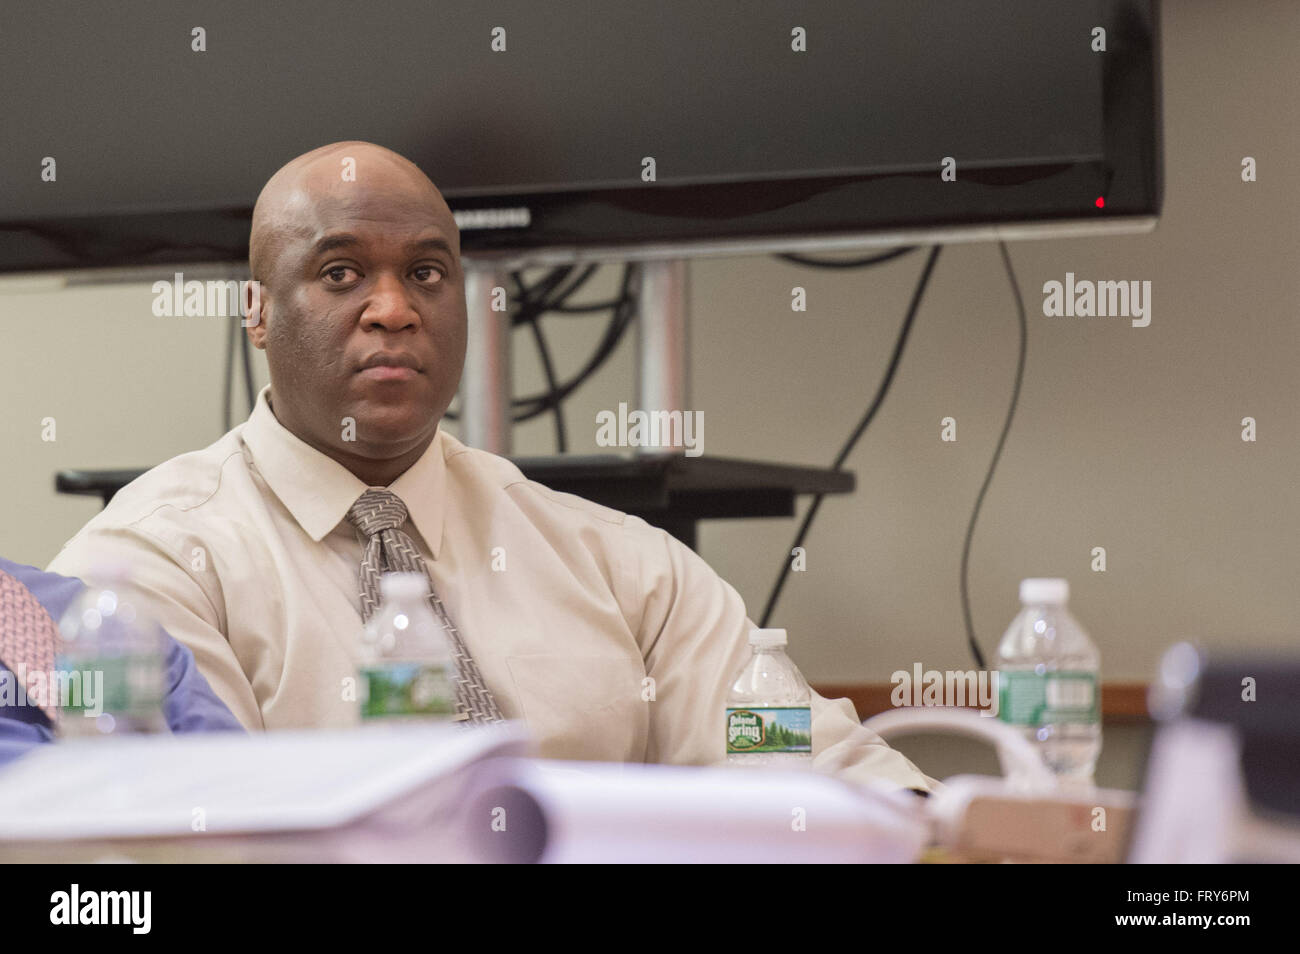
28, 637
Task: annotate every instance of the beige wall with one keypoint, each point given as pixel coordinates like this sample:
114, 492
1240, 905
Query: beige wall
1127, 438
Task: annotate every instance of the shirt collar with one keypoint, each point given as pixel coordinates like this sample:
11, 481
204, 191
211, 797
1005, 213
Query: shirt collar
319, 491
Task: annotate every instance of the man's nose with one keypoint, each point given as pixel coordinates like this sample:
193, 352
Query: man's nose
389, 306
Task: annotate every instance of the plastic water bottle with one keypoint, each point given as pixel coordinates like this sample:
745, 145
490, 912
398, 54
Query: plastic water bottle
1049, 680
406, 672
769, 708
112, 663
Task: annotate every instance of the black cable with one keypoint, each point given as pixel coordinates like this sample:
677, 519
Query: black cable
535, 299
533, 405
584, 309
561, 297
548, 369
881, 391
997, 453
532, 303
846, 263
619, 323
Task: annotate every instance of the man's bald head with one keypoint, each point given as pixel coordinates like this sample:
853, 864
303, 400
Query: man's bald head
293, 190
362, 305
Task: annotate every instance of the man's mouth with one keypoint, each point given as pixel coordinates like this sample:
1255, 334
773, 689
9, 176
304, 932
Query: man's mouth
390, 366
388, 372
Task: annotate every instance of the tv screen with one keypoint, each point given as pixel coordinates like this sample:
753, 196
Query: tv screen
141, 133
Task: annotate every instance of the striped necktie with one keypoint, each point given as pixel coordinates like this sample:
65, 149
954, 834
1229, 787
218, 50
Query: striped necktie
28, 641
380, 514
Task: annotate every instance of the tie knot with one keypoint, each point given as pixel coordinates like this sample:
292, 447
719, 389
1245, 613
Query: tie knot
376, 511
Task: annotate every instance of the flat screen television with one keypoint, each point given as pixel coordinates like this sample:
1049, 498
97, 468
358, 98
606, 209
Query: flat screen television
769, 124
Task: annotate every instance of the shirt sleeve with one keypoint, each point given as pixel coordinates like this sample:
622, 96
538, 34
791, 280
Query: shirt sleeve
19, 738
22, 727
694, 635
191, 705
176, 598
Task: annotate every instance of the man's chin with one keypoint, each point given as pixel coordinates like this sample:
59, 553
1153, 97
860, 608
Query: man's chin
382, 425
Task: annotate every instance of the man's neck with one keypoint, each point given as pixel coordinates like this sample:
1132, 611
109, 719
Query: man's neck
373, 472
379, 473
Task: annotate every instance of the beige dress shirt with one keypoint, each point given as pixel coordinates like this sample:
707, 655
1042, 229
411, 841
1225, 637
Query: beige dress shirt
608, 637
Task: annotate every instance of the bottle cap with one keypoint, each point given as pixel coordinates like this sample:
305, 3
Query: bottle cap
1053, 592
767, 637
403, 586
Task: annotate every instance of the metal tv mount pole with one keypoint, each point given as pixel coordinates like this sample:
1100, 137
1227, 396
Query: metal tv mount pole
663, 350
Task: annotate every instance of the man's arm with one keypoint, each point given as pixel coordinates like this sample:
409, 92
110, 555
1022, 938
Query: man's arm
165, 588
189, 706
18, 738
694, 635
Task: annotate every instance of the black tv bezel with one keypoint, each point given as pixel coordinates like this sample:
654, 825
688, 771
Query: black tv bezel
1129, 175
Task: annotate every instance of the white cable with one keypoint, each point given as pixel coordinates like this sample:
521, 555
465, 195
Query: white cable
1021, 762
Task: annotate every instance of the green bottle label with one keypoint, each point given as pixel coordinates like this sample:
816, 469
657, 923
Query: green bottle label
1028, 698
125, 685
768, 729
406, 690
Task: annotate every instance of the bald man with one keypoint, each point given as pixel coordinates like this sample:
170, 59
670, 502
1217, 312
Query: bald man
609, 638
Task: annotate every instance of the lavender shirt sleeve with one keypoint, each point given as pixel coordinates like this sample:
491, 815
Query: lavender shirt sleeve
190, 704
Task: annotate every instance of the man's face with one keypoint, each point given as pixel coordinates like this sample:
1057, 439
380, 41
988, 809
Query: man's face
364, 318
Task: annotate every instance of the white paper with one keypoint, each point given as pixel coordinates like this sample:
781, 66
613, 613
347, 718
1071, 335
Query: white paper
152, 785
600, 812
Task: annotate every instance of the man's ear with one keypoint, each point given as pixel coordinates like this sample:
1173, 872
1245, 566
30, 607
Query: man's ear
256, 311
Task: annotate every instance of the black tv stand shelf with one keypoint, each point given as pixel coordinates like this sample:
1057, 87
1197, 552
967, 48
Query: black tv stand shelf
674, 492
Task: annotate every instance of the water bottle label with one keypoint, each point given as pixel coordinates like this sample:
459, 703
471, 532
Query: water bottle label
767, 730
125, 685
1030, 698
406, 689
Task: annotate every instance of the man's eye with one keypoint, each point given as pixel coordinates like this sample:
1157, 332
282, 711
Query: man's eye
423, 272
335, 274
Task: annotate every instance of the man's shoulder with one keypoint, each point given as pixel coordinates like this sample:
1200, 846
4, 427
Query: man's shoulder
484, 472
181, 485
52, 590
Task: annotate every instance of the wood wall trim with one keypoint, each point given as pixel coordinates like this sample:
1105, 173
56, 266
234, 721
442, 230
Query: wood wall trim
1120, 701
